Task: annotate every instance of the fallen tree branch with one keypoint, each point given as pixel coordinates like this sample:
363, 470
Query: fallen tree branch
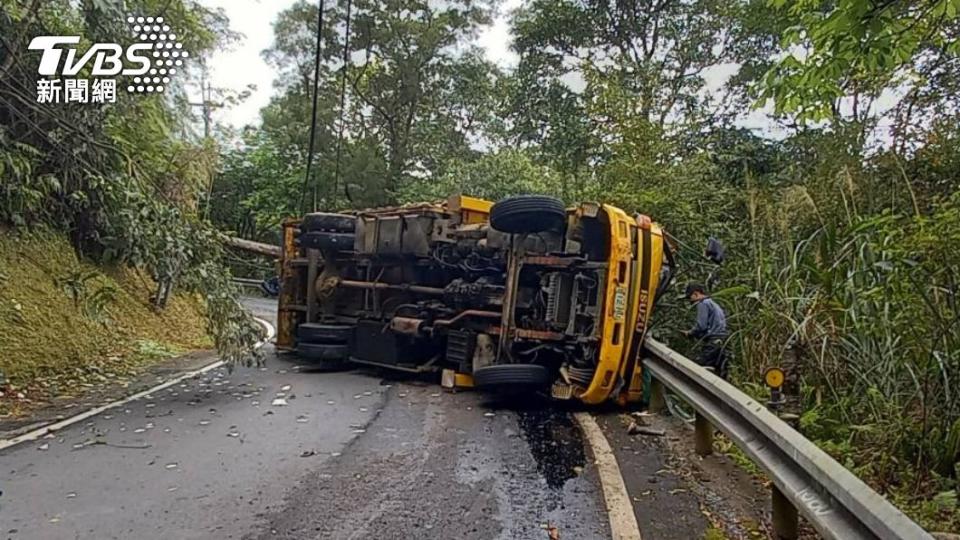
249, 245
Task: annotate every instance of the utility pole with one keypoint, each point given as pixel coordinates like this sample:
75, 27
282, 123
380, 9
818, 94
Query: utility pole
206, 103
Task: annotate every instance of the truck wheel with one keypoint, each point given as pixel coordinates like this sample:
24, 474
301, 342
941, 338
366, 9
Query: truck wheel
323, 351
527, 214
323, 221
510, 377
327, 241
324, 333
325, 357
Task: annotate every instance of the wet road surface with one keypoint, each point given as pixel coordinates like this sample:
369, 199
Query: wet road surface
437, 465
344, 455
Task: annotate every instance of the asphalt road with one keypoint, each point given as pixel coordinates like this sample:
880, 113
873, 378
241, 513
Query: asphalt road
349, 455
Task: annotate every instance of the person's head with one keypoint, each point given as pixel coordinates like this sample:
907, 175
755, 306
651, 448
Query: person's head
695, 292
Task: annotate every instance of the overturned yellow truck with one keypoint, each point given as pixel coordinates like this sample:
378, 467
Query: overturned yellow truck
519, 296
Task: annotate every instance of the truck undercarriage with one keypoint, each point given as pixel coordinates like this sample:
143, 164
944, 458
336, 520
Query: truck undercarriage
520, 296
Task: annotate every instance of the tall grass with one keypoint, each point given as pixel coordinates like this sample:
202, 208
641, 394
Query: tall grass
866, 295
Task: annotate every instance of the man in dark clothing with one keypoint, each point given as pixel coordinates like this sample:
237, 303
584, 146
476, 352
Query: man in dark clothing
711, 328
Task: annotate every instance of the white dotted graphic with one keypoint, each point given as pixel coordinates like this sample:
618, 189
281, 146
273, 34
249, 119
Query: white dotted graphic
167, 52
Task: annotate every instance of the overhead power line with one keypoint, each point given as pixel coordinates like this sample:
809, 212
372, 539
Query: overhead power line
313, 113
343, 93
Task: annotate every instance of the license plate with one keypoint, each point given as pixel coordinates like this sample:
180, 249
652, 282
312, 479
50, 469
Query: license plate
620, 303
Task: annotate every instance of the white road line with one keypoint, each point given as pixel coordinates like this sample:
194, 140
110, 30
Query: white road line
623, 523
56, 426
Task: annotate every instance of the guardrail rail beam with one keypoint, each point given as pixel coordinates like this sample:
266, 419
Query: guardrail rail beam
806, 480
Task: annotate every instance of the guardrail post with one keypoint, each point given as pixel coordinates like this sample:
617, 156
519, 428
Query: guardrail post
657, 397
784, 517
702, 435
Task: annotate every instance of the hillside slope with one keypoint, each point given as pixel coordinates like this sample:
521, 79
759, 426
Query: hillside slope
67, 325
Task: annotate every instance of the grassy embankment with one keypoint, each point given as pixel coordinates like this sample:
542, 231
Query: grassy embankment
67, 325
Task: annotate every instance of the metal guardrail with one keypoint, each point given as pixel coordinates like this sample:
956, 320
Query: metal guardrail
248, 282
838, 504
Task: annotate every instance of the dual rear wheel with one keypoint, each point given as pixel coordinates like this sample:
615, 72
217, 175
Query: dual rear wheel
327, 232
325, 346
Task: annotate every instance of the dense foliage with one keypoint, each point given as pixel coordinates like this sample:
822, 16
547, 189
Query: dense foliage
120, 179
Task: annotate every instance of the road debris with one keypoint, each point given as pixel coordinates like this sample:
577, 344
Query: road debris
279, 402
308, 453
552, 532
636, 429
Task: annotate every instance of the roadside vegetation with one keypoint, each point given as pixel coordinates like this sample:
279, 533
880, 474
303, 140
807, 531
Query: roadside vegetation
104, 204
70, 325
840, 215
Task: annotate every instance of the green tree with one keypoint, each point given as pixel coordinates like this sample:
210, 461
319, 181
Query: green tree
491, 176
857, 48
413, 100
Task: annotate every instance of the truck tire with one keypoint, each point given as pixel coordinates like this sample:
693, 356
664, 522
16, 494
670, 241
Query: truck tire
328, 241
510, 377
323, 221
324, 333
527, 214
324, 357
323, 351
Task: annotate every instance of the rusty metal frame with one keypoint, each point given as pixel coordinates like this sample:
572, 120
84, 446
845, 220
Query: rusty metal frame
286, 312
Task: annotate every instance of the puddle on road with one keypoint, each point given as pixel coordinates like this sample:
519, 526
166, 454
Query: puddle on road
555, 442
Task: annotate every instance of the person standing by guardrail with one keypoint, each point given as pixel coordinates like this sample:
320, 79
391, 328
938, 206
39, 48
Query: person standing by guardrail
710, 328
